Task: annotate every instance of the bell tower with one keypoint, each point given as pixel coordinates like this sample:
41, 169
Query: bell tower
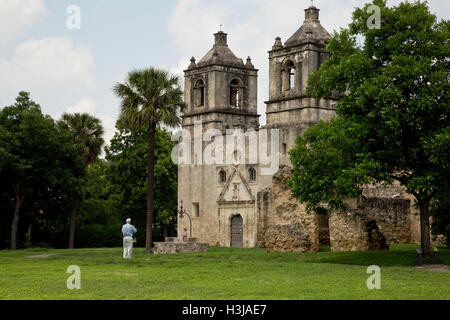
221, 90
220, 94
289, 108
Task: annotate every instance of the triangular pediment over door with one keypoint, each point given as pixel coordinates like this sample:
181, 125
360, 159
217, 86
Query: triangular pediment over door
236, 190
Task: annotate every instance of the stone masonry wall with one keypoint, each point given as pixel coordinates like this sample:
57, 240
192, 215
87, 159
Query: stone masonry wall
350, 232
289, 228
394, 192
180, 247
391, 216
382, 216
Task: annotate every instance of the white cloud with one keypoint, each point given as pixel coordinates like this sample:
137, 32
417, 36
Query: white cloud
109, 125
192, 19
45, 66
86, 105
18, 15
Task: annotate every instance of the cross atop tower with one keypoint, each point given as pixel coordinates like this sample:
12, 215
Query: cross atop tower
221, 27
312, 3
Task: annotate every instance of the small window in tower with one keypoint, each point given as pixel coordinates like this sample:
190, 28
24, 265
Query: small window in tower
199, 93
284, 149
252, 174
196, 209
222, 176
289, 74
235, 94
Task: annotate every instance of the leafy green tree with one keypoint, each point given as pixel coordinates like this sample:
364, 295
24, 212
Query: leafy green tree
98, 220
87, 134
150, 98
393, 114
39, 163
127, 160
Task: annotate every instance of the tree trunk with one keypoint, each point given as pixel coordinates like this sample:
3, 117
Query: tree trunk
151, 186
16, 206
425, 227
73, 219
15, 223
165, 231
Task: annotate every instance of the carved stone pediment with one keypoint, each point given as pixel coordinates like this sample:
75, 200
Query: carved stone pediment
236, 190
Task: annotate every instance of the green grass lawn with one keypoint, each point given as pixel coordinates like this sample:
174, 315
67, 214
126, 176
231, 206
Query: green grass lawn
222, 273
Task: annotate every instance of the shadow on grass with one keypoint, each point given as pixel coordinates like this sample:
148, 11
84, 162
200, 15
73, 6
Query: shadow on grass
398, 255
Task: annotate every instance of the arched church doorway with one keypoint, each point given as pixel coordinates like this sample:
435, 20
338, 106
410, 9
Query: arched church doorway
237, 231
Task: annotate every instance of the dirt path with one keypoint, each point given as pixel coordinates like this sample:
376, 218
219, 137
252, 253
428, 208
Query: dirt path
40, 256
435, 267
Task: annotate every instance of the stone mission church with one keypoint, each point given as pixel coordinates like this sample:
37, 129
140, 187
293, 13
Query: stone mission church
235, 204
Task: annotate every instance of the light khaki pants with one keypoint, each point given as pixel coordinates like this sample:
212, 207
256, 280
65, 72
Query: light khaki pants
127, 247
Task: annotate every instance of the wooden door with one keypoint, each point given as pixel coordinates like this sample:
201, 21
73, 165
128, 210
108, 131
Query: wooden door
237, 232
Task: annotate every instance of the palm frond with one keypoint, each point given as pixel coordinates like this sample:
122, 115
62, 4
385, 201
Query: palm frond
87, 133
149, 96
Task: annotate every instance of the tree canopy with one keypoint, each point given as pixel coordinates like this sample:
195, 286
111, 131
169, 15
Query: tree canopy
39, 162
50, 166
127, 159
87, 133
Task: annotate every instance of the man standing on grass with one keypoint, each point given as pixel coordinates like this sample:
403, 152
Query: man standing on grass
128, 231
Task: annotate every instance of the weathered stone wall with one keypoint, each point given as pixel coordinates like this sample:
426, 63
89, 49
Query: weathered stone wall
180, 247
288, 226
394, 192
264, 200
350, 231
381, 217
288, 238
391, 216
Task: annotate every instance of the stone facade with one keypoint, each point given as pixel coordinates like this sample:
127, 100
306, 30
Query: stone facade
221, 95
232, 203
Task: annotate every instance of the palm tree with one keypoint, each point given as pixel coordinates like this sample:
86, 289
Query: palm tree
150, 97
87, 134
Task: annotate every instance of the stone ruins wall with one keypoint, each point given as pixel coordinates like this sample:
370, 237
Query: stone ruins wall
382, 216
180, 247
394, 192
371, 225
348, 231
391, 216
288, 227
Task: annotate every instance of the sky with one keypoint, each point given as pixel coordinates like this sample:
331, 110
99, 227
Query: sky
73, 69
